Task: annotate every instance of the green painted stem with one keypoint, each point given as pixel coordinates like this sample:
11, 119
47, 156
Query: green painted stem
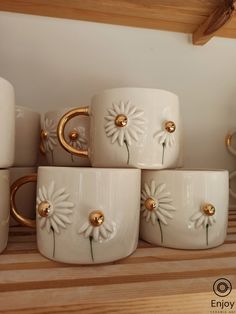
127, 147
163, 152
91, 247
160, 230
207, 226
54, 242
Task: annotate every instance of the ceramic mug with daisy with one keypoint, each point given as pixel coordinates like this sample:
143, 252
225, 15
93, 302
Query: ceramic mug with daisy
76, 133
129, 127
184, 209
7, 123
84, 215
5, 208
27, 128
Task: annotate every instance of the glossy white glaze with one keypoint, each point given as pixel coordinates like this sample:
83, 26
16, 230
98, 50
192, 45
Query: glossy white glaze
55, 154
4, 208
73, 193
7, 123
27, 137
185, 226
25, 196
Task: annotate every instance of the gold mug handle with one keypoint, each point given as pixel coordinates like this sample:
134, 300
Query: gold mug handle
228, 142
41, 145
82, 111
14, 188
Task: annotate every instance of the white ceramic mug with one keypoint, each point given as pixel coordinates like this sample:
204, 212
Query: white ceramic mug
76, 134
232, 176
25, 198
7, 123
85, 215
130, 127
27, 137
4, 208
184, 209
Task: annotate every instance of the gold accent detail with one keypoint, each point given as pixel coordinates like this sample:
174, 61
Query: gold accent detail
208, 209
121, 120
228, 140
44, 209
43, 137
14, 188
83, 111
150, 204
73, 135
96, 218
170, 126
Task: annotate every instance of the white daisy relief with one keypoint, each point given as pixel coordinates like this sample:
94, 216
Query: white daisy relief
156, 204
53, 209
77, 139
49, 136
96, 229
204, 218
125, 123
166, 136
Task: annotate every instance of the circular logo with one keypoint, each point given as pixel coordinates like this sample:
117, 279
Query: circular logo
222, 287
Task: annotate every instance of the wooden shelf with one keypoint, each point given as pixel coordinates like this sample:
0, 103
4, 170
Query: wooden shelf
172, 15
152, 280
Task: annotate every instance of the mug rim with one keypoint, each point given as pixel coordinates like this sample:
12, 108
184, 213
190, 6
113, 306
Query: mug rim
86, 169
135, 88
62, 110
194, 170
5, 81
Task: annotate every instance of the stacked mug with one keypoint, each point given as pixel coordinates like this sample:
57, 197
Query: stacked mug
132, 137
18, 156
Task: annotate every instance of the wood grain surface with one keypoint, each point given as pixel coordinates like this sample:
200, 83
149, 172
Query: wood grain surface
152, 280
172, 15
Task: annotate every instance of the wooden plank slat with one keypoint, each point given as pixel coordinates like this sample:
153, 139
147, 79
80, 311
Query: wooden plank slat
181, 16
30, 283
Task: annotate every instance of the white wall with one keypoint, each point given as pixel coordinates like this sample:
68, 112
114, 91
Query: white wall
55, 62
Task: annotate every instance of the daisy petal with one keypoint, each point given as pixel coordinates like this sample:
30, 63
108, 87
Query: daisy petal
161, 217
167, 206
84, 227
127, 138
103, 232
165, 213
121, 138
148, 216
200, 221
58, 221
96, 233
54, 225
196, 216
147, 189
153, 218
88, 231
108, 227
42, 222
115, 136
153, 187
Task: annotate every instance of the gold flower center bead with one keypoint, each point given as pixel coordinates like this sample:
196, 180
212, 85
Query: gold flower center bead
73, 135
96, 218
44, 209
170, 126
150, 204
121, 120
44, 135
208, 209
